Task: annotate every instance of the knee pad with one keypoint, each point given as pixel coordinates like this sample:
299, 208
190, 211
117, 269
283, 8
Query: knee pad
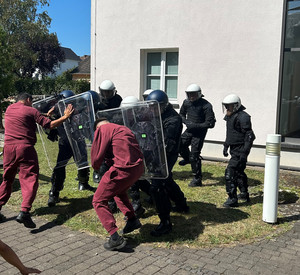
194, 157
229, 174
230, 177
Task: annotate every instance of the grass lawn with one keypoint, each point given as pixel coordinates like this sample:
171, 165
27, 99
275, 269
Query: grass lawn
208, 223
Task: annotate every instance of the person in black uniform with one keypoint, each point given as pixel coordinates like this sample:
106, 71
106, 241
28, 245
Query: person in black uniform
198, 116
162, 190
239, 139
142, 184
109, 99
64, 154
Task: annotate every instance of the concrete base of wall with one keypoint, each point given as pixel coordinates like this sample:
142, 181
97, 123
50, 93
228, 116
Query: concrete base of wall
288, 160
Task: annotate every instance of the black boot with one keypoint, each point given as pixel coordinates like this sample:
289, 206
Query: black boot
183, 162
85, 186
96, 176
53, 198
244, 196
115, 243
131, 225
195, 182
181, 209
139, 210
196, 170
231, 202
164, 227
25, 218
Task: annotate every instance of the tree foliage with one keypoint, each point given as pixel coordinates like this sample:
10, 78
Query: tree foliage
6, 65
51, 86
34, 48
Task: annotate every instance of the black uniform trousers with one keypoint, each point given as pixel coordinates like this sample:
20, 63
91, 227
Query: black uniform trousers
162, 190
235, 172
193, 156
59, 173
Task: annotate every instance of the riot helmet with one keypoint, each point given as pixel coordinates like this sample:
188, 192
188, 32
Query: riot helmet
193, 92
231, 104
161, 97
95, 96
146, 93
66, 94
107, 89
129, 101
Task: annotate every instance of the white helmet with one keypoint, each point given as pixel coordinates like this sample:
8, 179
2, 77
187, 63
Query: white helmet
146, 93
107, 85
107, 89
129, 101
193, 88
232, 99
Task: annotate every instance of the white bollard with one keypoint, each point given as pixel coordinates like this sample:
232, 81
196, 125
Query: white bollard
272, 160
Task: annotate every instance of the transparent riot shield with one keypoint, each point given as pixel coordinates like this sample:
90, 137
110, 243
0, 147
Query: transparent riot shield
144, 120
79, 127
47, 140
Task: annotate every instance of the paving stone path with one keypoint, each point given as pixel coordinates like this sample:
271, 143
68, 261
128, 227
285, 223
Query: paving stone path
58, 250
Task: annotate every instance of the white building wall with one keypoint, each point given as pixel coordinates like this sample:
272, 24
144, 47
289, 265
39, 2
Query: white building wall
230, 46
67, 65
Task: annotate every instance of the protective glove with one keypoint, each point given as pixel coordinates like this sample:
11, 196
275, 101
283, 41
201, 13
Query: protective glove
190, 125
225, 151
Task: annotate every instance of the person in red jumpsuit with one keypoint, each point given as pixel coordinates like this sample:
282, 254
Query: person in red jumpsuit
116, 145
19, 152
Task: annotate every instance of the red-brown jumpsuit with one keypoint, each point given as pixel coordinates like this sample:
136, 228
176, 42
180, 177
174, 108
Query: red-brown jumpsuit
117, 145
19, 152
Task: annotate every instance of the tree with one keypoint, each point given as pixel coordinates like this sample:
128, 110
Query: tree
34, 48
6, 76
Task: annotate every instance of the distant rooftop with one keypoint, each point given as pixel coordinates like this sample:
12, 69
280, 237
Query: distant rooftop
69, 54
84, 66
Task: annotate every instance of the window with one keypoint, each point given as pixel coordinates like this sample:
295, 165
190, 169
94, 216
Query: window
289, 121
162, 72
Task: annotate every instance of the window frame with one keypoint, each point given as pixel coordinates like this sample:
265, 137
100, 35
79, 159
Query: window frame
287, 142
163, 75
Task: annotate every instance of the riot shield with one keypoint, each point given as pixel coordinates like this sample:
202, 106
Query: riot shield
79, 127
144, 120
47, 139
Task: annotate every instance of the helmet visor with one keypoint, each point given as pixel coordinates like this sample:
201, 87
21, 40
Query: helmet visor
192, 96
107, 94
229, 109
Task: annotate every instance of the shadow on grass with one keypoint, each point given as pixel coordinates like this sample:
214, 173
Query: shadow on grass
209, 177
43, 179
16, 184
187, 227
63, 212
295, 217
285, 197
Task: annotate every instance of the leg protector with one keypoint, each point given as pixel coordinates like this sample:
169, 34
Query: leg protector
184, 146
161, 199
134, 193
231, 183
196, 166
58, 178
242, 182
